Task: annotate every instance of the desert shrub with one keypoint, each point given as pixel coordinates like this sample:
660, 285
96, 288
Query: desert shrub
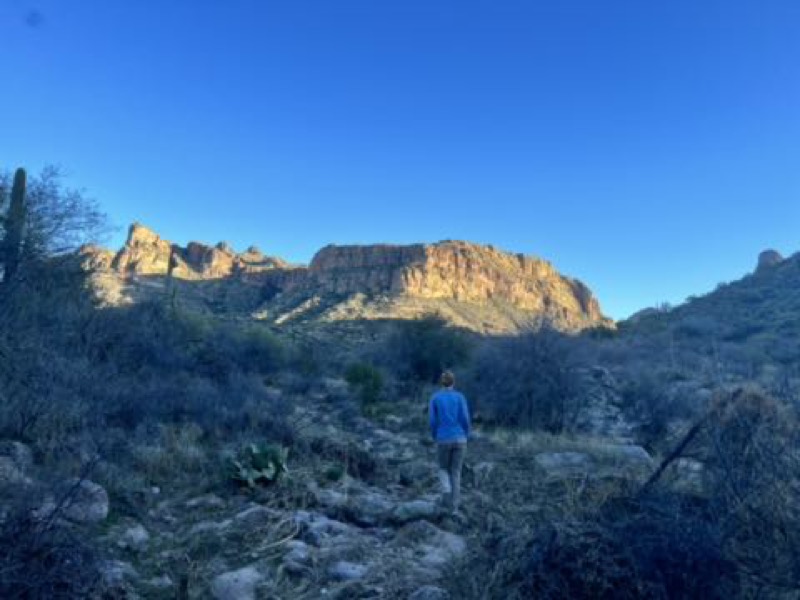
659, 547
418, 351
356, 461
750, 446
694, 327
650, 401
525, 381
41, 557
366, 381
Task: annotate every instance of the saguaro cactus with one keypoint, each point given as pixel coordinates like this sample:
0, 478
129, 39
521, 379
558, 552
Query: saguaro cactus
14, 227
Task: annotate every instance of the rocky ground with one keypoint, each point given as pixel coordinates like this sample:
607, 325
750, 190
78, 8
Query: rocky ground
364, 524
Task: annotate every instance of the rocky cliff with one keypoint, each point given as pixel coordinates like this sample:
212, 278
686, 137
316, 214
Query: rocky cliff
145, 253
478, 287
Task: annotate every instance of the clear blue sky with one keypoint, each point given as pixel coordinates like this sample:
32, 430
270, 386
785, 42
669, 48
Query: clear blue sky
650, 148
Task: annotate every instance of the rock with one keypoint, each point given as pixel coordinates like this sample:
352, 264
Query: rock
89, 504
433, 548
317, 528
116, 572
255, 516
298, 560
207, 501
429, 592
768, 259
10, 473
627, 456
413, 511
564, 464
446, 271
16, 459
210, 526
146, 253
331, 498
136, 538
237, 585
162, 582
481, 472
19, 454
496, 291
370, 508
347, 571
600, 399
442, 549
688, 475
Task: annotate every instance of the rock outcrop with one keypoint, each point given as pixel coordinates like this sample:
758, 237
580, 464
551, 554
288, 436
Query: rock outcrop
145, 253
768, 259
474, 286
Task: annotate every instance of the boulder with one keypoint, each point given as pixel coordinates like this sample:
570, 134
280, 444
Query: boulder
10, 473
134, 538
88, 502
768, 259
564, 464
429, 592
116, 572
237, 585
19, 454
627, 457
370, 508
414, 511
298, 559
347, 571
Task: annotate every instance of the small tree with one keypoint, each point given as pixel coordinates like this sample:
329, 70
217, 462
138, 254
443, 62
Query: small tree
43, 219
526, 381
418, 351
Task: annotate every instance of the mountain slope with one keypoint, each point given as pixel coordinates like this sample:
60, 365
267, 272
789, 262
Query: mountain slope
747, 327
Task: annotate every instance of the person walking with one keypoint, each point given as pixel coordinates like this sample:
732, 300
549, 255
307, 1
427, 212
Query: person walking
450, 424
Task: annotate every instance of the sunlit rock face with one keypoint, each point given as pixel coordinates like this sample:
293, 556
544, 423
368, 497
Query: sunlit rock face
452, 271
146, 253
471, 285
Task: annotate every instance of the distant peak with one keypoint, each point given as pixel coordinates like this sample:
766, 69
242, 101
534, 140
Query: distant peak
138, 233
768, 259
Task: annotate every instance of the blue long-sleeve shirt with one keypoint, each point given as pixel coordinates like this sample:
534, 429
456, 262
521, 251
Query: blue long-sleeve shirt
449, 416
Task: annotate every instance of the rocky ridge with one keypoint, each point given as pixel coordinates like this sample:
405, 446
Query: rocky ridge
473, 286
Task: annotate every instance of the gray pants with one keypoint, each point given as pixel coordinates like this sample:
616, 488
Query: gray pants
450, 458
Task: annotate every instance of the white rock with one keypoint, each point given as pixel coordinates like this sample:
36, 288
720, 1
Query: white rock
88, 504
10, 473
115, 572
414, 510
162, 582
237, 585
429, 592
371, 508
19, 453
564, 464
135, 538
347, 571
207, 501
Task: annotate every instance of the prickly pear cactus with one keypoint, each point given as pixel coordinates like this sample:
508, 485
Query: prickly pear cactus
260, 465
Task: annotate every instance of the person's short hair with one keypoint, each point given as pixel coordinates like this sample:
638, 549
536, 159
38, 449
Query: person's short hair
448, 379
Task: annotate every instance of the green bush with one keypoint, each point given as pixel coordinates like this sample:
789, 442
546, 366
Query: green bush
366, 381
418, 351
